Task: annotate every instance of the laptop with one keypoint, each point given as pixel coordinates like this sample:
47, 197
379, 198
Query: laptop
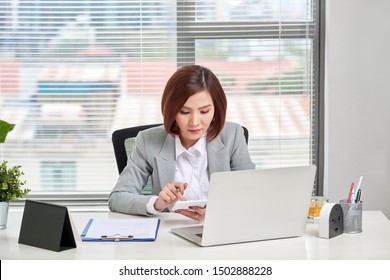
254, 205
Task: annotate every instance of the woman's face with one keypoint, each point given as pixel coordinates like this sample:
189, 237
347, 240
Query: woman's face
194, 118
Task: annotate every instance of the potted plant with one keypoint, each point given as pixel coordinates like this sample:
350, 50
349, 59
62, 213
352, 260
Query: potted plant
11, 187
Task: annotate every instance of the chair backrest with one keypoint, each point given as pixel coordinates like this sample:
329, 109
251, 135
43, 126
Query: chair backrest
246, 134
123, 142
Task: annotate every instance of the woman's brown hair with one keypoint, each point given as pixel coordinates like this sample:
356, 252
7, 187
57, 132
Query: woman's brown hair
186, 82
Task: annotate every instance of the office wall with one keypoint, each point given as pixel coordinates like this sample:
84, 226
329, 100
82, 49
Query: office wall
358, 100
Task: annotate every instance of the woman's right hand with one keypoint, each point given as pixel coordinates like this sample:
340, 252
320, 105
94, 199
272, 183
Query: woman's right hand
169, 194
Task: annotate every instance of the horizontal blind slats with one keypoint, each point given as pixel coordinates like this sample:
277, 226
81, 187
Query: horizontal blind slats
71, 72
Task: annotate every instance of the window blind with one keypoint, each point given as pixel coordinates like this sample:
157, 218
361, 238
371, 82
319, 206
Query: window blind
72, 72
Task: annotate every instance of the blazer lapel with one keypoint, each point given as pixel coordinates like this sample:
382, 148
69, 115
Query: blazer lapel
217, 156
166, 161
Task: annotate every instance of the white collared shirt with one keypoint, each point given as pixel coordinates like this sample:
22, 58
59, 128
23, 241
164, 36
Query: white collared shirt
191, 168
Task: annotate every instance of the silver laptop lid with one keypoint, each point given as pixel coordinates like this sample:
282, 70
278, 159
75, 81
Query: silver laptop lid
254, 205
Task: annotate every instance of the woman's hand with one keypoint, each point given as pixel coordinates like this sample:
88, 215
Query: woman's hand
196, 213
169, 194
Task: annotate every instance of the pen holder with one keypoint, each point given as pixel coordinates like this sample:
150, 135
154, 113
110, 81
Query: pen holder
352, 216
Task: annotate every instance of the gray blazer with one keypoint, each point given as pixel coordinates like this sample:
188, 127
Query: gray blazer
154, 155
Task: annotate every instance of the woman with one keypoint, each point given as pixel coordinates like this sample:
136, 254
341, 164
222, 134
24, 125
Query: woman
193, 143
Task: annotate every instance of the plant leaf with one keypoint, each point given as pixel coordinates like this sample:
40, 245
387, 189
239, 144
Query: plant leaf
4, 129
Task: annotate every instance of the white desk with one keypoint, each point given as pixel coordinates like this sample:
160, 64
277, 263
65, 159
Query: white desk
372, 243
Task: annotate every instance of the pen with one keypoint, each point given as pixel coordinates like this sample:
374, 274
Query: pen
359, 196
355, 193
350, 192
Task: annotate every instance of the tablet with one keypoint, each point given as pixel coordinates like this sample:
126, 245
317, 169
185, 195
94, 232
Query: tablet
185, 204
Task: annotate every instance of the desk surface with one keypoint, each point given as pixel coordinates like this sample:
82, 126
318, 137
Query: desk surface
372, 243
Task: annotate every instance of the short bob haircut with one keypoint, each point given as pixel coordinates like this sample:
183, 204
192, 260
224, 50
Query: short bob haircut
186, 82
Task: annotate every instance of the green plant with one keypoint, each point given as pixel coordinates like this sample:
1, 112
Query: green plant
11, 187
4, 129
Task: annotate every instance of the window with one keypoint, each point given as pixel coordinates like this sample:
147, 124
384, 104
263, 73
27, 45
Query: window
58, 175
72, 72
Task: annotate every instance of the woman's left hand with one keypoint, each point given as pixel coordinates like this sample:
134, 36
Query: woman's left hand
196, 213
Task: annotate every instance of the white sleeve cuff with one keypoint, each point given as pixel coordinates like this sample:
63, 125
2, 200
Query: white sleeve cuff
150, 206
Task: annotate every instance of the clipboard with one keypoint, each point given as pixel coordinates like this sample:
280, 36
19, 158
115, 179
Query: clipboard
47, 226
121, 230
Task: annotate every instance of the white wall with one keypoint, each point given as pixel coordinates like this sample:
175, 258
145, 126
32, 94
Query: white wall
357, 132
